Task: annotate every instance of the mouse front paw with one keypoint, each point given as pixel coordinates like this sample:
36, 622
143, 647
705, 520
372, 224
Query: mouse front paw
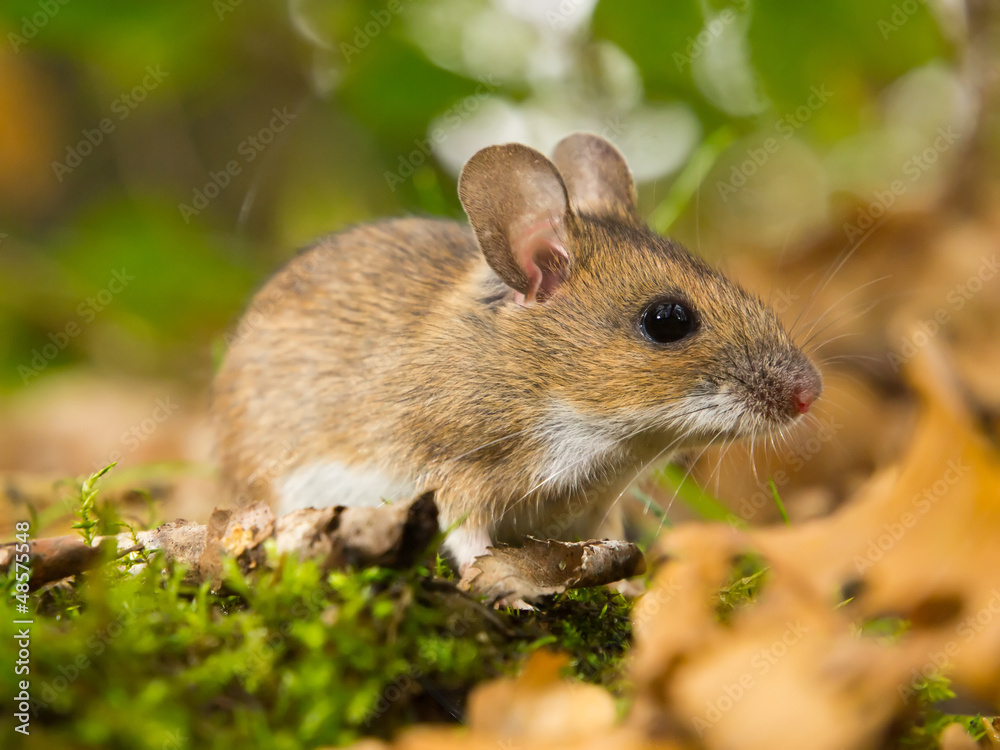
465, 544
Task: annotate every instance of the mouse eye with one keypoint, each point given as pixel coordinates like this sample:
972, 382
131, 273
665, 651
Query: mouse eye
666, 322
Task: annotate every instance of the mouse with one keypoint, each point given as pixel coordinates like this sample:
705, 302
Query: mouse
525, 366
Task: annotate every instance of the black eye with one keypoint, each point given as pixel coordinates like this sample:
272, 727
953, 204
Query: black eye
666, 322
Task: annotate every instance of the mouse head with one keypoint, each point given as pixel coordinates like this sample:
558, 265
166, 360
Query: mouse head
606, 319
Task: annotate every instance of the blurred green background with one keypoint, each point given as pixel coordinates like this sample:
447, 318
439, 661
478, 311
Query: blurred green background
333, 113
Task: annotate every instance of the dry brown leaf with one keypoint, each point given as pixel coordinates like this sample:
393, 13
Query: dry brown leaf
788, 672
544, 567
180, 542
389, 535
235, 533
992, 727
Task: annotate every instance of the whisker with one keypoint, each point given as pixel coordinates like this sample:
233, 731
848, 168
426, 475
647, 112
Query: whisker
522, 432
686, 475
753, 458
640, 471
839, 263
846, 317
618, 442
830, 309
717, 472
848, 357
487, 445
835, 338
842, 392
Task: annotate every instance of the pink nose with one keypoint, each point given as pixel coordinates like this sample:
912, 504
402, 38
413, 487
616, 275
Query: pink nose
803, 398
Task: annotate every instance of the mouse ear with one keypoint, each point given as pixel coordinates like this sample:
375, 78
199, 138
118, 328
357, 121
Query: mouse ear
517, 205
597, 178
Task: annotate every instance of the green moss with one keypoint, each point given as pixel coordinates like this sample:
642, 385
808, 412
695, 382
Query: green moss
593, 625
90, 519
286, 657
923, 730
889, 628
745, 582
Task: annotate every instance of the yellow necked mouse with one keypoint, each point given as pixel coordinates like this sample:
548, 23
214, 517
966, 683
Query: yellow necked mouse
526, 368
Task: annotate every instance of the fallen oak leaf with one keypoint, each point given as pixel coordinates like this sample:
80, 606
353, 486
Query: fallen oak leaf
390, 535
237, 533
789, 670
992, 728
920, 541
542, 568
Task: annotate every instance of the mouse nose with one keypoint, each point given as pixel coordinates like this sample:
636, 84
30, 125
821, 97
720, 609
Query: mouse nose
804, 393
802, 399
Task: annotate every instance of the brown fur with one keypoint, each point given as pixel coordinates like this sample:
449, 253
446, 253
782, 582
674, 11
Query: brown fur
395, 345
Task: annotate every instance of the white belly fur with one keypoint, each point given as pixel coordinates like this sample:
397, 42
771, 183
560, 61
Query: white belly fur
326, 483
